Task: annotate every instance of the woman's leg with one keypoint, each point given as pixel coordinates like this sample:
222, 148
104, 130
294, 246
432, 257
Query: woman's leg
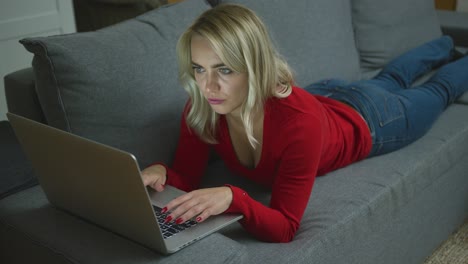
426, 102
403, 70
398, 118
449, 82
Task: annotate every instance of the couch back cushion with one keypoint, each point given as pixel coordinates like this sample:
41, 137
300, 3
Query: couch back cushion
119, 85
316, 37
384, 29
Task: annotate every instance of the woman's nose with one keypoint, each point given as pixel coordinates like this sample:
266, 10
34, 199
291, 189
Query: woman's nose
211, 84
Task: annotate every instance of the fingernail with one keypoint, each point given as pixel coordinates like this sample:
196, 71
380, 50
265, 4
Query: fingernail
164, 210
168, 219
179, 221
198, 219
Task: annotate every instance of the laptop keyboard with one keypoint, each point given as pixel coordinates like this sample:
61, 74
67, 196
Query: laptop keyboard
171, 228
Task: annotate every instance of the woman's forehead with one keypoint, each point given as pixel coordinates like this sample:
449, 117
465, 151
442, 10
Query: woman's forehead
202, 51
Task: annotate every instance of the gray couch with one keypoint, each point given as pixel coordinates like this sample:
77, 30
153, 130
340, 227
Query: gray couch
119, 86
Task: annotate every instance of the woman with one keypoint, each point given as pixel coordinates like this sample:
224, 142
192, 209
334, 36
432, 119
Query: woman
244, 105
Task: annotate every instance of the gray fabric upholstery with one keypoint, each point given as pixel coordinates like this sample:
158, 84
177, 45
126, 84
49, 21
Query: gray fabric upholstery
118, 85
463, 99
455, 24
385, 29
316, 37
21, 94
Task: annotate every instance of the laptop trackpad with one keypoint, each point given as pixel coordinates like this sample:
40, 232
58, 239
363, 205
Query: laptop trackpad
160, 199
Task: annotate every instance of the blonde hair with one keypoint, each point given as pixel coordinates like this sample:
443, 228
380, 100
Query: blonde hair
241, 41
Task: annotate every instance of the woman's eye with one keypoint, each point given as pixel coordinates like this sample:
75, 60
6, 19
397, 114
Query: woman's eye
225, 71
197, 69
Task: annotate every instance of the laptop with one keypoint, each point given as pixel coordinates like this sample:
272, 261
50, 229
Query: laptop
103, 185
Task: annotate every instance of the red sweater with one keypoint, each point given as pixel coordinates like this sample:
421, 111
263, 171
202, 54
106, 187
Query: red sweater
303, 136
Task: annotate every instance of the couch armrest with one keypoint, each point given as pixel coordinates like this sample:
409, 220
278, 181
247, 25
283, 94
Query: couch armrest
21, 94
16, 172
454, 24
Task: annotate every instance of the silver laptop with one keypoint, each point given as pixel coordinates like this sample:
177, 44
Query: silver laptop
103, 185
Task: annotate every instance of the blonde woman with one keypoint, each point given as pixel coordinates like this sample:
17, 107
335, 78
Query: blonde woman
244, 105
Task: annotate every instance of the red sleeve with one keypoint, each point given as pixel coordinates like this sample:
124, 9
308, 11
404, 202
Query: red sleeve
190, 159
291, 188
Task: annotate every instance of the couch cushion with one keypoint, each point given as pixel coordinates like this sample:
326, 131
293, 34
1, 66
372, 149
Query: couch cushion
316, 37
118, 85
463, 99
385, 29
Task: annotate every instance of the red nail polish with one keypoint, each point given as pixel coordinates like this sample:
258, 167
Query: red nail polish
179, 221
198, 219
164, 210
168, 219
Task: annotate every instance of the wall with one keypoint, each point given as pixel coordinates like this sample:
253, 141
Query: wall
26, 18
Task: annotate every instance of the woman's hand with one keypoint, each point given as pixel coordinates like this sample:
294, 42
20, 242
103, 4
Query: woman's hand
199, 204
155, 177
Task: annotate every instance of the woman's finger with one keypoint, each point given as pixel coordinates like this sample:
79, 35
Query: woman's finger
200, 203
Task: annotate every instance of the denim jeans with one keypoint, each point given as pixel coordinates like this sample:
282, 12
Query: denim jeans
396, 113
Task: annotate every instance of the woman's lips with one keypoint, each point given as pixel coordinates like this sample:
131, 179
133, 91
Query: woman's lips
215, 101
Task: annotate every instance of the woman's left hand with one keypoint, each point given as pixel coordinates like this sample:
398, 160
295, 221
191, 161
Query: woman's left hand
199, 204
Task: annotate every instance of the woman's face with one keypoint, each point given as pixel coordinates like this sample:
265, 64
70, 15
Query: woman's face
224, 89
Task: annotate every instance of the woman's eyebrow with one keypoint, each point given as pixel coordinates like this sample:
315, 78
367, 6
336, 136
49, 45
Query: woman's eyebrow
212, 66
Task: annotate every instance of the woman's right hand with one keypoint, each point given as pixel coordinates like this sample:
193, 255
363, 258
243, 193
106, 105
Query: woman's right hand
155, 177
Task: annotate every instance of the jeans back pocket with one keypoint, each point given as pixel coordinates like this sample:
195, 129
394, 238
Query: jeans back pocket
386, 106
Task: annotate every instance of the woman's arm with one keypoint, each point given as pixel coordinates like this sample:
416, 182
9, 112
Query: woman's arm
190, 160
291, 188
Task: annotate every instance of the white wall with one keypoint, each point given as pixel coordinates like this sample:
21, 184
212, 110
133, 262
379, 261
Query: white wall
28, 18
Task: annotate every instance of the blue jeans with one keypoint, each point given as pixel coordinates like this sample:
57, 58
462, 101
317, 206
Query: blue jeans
396, 113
